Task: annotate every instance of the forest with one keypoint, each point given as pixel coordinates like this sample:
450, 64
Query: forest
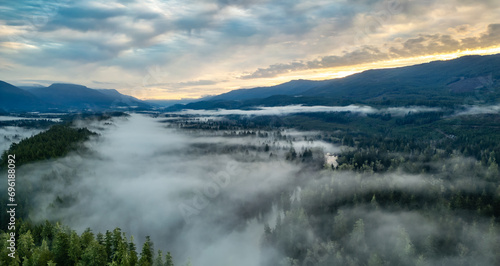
55, 244
455, 190
51, 243
421, 188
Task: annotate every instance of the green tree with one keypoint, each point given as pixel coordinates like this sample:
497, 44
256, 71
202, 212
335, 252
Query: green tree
42, 255
75, 248
25, 245
133, 260
108, 245
159, 259
94, 255
147, 253
86, 238
60, 248
169, 261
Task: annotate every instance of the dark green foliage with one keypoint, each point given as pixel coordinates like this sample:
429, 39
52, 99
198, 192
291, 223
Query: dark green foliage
60, 248
345, 214
50, 144
94, 254
169, 261
55, 142
458, 193
38, 123
147, 253
35, 246
133, 253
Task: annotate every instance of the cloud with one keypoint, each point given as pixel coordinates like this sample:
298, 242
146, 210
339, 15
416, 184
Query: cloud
198, 82
424, 44
231, 40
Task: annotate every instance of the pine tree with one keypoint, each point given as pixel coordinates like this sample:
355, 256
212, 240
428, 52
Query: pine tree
75, 248
95, 254
60, 248
169, 261
147, 253
108, 245
86, 238
159, 259
42, 254
25, 245
132, 252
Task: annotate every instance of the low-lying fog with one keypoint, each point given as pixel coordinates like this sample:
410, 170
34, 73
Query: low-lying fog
205, 197
356, 109
147, 179
293, 109
11, 134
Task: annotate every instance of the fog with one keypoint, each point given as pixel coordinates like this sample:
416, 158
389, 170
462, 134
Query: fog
17, 118
151, 180
294, 109
11, 134
206, 198
396, 232
479, 110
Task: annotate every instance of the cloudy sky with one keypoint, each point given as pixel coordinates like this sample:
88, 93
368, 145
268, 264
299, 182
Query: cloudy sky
190, 48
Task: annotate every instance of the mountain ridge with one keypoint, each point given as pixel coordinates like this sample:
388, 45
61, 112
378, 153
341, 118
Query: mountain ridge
15, 99
431, 83
64, 97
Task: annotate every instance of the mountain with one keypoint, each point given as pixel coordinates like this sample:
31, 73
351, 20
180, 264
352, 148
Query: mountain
423, 81
64, 97
436, 83
294, 87
167, 103
124, 100
78, 97
13, 99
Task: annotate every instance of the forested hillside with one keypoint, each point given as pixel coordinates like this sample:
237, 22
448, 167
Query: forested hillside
53, 143
439, 83
418, 189
51, 243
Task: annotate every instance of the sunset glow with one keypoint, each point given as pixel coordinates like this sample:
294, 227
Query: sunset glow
155, 50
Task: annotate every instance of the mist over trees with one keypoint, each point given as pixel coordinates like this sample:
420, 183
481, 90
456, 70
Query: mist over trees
412, 189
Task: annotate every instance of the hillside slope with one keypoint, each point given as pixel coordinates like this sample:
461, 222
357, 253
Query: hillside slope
13, 98
438, 83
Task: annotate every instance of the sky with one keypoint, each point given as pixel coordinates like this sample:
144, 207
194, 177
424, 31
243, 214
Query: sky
189, 49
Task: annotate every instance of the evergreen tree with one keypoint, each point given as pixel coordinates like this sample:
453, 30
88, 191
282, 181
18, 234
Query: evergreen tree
25, 245
147, 253
75, 248
60, 248
132, 251
95, 255
169, 261
159, 259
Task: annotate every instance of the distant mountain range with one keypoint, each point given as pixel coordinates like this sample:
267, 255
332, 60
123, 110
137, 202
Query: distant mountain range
14, 99
469, 79
65, 97
438, 83
294, 87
